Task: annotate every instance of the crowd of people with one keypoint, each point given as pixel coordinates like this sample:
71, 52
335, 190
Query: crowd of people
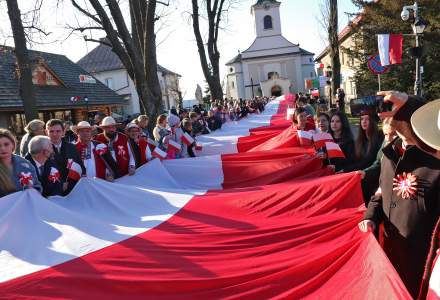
53, 156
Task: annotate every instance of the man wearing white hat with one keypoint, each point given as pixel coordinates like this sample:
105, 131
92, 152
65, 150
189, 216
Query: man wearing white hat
118, 146
408, 205
95, 156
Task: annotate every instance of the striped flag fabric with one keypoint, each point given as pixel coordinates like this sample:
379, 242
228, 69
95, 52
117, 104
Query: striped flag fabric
75, 170
390, 48
187, 139
333, 150
253, 225
320, 138
434, 281
170, 241
159, 153
305, 138
174, 146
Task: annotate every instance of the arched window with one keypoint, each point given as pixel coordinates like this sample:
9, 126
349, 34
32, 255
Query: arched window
268, 22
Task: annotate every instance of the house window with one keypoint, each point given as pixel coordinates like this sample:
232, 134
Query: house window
232, 84
342, 59
310, 59
268, 22
311, 74
109, 82
231, 70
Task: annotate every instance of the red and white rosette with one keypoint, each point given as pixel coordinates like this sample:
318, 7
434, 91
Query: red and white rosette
54, 175
26, 179
405, 185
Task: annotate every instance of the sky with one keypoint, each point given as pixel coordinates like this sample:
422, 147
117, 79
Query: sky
177, 49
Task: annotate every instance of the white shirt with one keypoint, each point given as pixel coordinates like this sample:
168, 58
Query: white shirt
90, 163
58, 147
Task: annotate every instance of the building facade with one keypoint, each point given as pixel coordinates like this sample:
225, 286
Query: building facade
62, 88
272, 65
348, 64
106, 66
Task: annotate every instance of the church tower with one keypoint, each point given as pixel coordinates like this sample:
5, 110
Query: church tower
267, 18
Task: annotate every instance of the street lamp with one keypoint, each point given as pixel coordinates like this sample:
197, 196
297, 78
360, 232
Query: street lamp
418, 28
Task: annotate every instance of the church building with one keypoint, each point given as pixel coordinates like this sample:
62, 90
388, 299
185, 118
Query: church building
271, 66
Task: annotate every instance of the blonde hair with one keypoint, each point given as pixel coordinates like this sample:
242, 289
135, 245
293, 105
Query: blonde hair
6, 182
33, 126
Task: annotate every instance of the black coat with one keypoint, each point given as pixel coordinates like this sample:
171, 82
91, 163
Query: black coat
50, 188
68, 151
408, 223
347, 147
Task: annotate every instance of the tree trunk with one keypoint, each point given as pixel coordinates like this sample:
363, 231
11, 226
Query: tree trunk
211, 69
150, 57
334, 48
27, 93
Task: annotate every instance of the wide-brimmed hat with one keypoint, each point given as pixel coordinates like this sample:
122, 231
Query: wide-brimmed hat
132, 125
108, 121
425, 122
82, 125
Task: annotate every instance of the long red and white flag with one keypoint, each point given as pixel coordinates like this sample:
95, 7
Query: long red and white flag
167, 241
253, 225
390, 48
434, 281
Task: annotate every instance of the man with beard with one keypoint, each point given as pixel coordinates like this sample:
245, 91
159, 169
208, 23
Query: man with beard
95, 156
118, 146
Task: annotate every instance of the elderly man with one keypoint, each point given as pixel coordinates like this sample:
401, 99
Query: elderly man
63, 151
94, 155
118, 146
40, 152
408, 205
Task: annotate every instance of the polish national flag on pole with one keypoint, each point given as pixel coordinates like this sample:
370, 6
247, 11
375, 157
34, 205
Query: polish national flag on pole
390, 48
305, 138
319, 139
333, 150
173, 145
159, 153
187, 139
75, 170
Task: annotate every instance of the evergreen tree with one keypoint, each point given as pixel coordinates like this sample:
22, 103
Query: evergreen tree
383, 16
